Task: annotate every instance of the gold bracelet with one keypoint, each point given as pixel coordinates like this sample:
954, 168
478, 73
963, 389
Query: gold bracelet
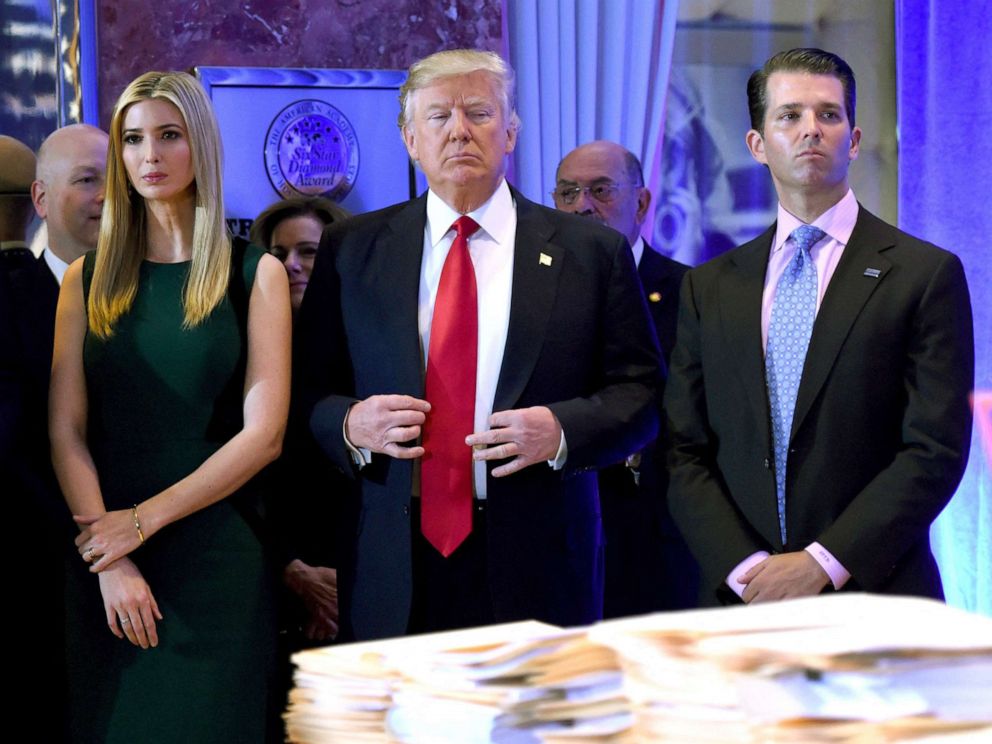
137, 524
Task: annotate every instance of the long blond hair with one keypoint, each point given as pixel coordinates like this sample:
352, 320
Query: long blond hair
123, 240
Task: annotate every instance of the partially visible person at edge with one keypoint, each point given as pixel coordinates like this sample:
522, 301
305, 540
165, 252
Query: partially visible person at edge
169, 391
67, 193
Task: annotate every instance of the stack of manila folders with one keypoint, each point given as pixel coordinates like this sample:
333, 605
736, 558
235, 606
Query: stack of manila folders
853, 668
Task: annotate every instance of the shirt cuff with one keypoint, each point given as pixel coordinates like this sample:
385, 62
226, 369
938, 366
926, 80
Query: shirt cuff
559, 462
837, 573
361, 456
742, 568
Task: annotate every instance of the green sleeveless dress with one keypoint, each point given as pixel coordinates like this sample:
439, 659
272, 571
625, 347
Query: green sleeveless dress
161, 400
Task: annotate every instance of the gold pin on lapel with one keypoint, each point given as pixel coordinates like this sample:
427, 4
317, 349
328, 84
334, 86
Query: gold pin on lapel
544, 260
655, 297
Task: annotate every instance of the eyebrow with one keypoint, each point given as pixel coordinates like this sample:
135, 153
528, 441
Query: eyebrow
159, 128
795, 106
594, 181
467, 103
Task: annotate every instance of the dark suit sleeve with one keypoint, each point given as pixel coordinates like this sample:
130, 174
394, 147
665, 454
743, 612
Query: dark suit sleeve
621, 416
895, 510
11, 392
698, 497
321, 362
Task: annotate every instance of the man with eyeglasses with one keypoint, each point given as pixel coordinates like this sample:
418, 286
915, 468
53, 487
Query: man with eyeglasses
648, 566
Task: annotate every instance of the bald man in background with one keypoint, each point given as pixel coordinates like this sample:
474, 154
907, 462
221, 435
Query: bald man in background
67, 192
648, 566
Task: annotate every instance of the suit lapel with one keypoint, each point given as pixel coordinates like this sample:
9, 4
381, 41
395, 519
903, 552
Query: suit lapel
537, 264
740, 316
845, 297
397, 260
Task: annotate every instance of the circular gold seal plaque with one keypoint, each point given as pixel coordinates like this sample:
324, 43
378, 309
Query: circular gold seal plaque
311, 150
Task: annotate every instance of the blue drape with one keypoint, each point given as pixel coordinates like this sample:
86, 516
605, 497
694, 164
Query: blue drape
944, 84
587, 70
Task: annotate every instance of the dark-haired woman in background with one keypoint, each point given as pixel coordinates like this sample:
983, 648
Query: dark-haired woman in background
306, 496
169, 392
290, 230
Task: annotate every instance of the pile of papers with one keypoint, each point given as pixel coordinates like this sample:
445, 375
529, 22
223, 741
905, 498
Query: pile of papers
516, 683
836, 668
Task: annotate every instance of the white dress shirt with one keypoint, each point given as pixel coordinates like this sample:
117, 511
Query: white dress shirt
638, 250
55, 264
491, 250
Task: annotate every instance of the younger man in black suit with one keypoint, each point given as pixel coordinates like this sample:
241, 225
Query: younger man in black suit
818, 396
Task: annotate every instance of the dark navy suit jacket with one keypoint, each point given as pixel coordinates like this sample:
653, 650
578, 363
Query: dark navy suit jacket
882, 423
579, 341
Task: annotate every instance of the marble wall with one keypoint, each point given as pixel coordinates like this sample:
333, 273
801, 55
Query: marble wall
382, 34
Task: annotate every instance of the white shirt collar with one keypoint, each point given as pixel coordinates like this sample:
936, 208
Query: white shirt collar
638, 249
56, 264
492, 216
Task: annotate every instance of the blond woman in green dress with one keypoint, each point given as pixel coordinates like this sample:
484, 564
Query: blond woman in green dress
169, 392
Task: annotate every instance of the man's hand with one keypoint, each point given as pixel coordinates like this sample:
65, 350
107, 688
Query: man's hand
784, 576
381, 422
528, 435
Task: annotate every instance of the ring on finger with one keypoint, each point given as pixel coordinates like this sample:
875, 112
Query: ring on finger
87, 554
125, 621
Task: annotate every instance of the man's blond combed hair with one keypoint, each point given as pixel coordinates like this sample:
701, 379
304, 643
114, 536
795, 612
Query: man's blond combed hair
429, 70
122, 245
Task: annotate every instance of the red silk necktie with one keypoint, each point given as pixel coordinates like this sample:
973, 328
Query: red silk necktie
446, 470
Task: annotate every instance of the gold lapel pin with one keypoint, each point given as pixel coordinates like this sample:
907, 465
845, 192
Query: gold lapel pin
544, 260
655, 297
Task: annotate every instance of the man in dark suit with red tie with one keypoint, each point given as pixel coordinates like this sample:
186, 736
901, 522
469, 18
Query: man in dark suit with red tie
648, 566
471, 374
818, 395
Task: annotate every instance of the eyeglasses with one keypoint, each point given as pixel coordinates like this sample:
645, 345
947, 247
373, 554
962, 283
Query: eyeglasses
604, 193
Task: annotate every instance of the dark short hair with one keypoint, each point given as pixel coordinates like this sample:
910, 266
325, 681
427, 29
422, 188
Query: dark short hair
812, 61
265, 224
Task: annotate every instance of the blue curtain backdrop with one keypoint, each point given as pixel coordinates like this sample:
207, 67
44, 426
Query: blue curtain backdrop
587, 70
944, 68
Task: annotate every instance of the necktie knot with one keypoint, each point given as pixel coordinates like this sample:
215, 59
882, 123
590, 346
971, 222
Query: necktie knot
806, 236
465, 227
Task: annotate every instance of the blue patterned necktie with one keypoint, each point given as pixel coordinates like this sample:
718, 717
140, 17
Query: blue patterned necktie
789, 330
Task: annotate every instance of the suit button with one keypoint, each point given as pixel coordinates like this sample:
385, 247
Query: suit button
768, 464
792, 450
406, 510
